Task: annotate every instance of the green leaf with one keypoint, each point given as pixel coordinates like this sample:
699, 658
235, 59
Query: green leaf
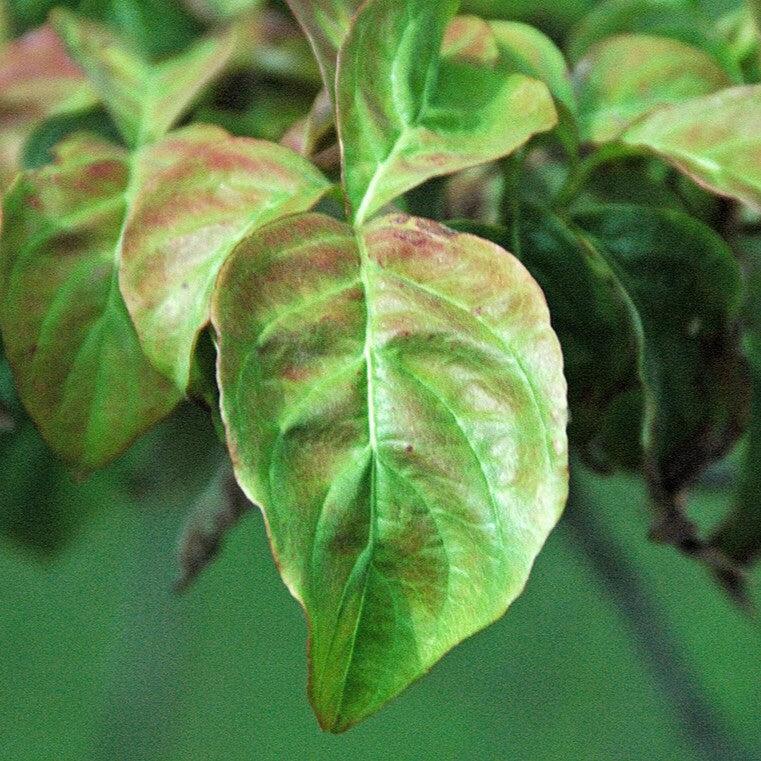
715, 140
628, 77
406, 115
531, 52
76, 358
326, 24
684, 287
394, 400
144, 99
156, 27
37, 80
215, 11
681, 20
202, 192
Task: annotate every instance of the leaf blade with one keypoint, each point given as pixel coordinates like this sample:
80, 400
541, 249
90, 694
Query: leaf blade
346, 422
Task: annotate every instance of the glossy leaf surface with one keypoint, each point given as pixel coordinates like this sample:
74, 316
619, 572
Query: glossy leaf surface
406, 115
394, 400
201, 192
77, 360
37, 80
629, 76
144, 99
684, 287
715, 140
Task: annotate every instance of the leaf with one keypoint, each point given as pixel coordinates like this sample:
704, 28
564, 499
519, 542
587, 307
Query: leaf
144, 99
214, 11
37, 80
714, 140
681, 20
591, 315
156, 27
394, 401
684, 287
628, 77
204, 191
76, 358
326, 24
405, 115
532, 53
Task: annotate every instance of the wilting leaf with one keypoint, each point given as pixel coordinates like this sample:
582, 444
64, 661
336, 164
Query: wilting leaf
591, 315
406, 115
531, 52
37, 80
394, 401
326, 23
682, 20
203, 192
715, 140
76, 358
684, 287
144, 99
627, 77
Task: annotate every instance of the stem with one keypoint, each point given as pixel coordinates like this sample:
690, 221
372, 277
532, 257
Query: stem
701, 725
510, 209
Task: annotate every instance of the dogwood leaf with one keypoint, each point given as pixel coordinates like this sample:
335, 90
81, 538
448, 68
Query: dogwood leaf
144, 99
715, 140
533, 53
629, 76
206, 191
77, 361
326, 24
394, 401
37, 80
684, 287
406, 115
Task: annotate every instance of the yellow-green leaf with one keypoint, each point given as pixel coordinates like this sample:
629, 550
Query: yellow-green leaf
144, 99
406, 115
394, 401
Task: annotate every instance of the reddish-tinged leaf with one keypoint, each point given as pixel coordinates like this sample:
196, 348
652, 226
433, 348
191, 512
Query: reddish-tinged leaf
630, 76
716, 140
37, 80
394, 401
77, 361
200, 192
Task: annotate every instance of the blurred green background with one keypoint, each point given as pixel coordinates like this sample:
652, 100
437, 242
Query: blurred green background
618, 649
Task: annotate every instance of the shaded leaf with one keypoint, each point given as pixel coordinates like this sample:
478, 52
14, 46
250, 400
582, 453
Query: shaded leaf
144, 99
682, 20
715, 140
203, 192
76, 358
156, 27
684, 287
37, 80
326, 23
630, 76
406, 115
394, 400
214, 11
591, 315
